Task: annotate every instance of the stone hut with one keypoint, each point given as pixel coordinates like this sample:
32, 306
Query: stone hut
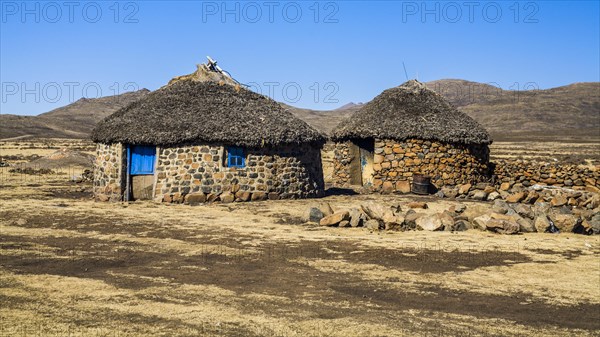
409, 130
195, 141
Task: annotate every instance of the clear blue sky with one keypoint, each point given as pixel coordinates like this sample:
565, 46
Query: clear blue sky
353, 51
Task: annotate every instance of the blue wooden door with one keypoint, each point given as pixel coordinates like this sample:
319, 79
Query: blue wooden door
142, 159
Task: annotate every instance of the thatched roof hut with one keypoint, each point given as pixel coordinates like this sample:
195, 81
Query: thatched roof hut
207, 112
411, 110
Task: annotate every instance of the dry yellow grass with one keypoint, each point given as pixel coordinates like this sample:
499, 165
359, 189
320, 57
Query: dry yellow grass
70, 266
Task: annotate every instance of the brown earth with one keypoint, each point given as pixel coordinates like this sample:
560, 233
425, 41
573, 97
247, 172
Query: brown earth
69, 265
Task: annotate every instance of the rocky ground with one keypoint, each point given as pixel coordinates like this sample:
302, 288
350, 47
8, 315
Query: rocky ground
72, 266
344, 265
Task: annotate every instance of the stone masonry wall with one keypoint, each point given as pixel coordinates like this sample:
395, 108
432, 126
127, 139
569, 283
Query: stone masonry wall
395, 163
108, 168
342, 159
529, 173
197, 174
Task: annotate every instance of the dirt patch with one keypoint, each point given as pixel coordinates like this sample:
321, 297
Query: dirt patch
273, 271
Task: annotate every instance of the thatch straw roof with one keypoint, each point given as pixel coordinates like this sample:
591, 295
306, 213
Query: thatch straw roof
206, 112
411, 111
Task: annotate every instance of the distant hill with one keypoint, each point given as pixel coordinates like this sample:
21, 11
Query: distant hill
564, 113
570, 112
75, 120
324, 120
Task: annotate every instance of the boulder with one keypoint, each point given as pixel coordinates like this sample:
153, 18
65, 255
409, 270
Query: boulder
595, 223
227, 197
488, 189
410, 219
242, 195
502, 226
462, 225
474, 211
516, 197
541, 223
273, 196
195, 198
531, 197
500, 206
558, 200
540, 208
505, 186
335, 218
493, 196
524, 211
447, 220
357, 217
592, 202
344, 223
479, 195
481, 221
449, 191
372, 224
526, 225
314, 214
593, 189
430, 222
566, 223
257, 196
211, 197
464, 189
374, 210
395, 222
389, 217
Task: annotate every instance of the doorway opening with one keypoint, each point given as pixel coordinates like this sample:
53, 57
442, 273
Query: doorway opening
361, 167
140, 171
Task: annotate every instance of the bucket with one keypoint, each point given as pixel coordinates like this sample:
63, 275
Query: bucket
420, 184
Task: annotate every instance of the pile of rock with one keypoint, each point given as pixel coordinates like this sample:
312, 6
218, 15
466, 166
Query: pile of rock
501, 217
375, 216
517, 193
530, 173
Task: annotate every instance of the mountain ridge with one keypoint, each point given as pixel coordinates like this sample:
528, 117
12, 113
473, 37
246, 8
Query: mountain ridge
571, 111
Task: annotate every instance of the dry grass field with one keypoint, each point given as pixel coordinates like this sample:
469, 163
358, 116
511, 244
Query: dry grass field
73, 267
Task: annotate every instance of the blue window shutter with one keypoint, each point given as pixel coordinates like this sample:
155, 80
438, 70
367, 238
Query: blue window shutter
142, 160
236, 157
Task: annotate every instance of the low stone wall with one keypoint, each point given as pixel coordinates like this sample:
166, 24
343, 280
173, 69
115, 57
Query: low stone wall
196, 174
553, 174
108, 169
395, 163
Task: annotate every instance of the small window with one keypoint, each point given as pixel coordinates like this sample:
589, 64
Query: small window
236, 157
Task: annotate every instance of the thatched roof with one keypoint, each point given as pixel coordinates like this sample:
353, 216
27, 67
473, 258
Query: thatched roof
411, 111
206, 112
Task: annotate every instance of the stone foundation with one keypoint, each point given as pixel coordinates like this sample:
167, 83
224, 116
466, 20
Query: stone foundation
395, 163
109, 180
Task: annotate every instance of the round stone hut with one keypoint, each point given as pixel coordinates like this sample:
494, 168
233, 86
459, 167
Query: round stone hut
196, 141
409, 130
